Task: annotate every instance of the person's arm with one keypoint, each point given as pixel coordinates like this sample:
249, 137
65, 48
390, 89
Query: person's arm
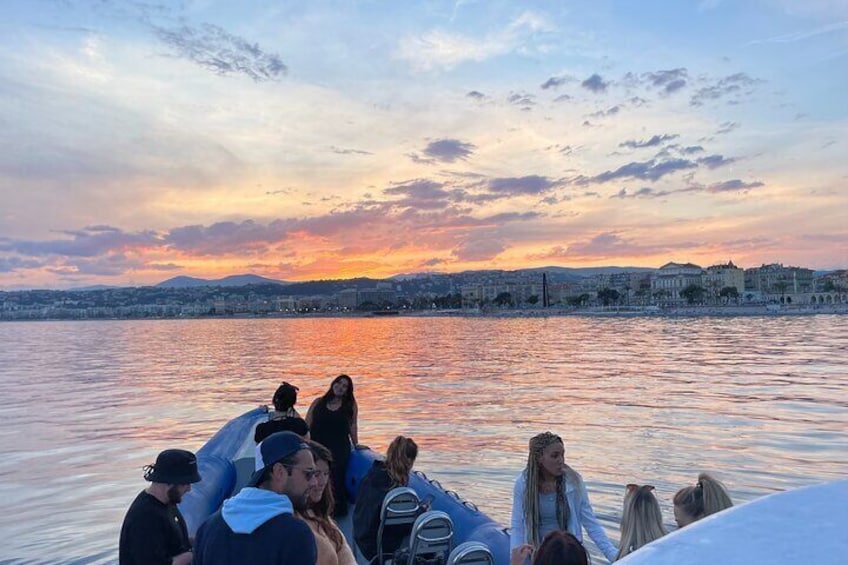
593, 527
354, 426
516, 531
310, 412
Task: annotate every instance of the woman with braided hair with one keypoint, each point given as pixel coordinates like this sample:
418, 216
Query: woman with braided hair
549, 495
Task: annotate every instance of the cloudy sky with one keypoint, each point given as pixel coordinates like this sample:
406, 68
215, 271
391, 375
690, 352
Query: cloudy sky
310, 139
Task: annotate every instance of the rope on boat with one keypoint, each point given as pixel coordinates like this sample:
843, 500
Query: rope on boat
451, 493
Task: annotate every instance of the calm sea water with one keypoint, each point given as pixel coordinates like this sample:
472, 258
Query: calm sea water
760, 401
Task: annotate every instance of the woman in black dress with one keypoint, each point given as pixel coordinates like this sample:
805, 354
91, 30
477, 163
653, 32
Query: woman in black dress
332, 423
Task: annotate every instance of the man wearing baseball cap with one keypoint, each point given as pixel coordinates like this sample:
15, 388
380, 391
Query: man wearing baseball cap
257, 525
154, 531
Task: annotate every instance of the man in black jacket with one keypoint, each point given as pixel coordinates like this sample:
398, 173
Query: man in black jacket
257, 526
154, 531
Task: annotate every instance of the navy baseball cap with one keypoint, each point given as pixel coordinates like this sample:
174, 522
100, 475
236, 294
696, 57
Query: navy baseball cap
273, 448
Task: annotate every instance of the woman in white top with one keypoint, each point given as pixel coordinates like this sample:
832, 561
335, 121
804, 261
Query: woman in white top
549, 495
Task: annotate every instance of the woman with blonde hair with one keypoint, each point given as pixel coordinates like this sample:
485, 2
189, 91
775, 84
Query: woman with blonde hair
382, 477
641, 520
549, 495
708, 496
329, 540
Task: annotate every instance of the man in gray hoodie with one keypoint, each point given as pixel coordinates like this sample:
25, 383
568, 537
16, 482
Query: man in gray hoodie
257, 526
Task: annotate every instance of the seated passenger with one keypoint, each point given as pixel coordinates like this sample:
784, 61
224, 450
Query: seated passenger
549, 495
707, 497
557, 548
332, 546
380, 479
641, 520
284, 417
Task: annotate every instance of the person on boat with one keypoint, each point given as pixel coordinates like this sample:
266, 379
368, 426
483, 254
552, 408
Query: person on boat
332, 546
708, 496
549, 495
641, 519
258, 525
284, 417
382, 477
332, 420
558, 548
154, 531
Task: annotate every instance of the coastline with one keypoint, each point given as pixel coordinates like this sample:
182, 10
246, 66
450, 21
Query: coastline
591, 312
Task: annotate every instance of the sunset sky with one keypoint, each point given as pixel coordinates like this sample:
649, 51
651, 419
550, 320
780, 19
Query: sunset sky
307, 139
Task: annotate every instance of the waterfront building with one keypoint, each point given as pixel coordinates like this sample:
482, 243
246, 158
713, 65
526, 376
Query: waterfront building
775, 279
672, 278
718, 277
347, 299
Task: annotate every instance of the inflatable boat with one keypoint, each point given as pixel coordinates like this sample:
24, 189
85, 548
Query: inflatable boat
226, 463
805, 525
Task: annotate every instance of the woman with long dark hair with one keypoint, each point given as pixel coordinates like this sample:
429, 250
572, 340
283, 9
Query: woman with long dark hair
549, 495
558, 548
332, 423
329, 540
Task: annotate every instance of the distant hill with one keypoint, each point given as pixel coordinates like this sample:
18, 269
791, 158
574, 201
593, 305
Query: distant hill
588, 271
232, 280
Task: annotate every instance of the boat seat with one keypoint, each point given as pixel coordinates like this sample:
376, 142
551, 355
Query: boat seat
432, 535
471, 553
244, 470
400, 508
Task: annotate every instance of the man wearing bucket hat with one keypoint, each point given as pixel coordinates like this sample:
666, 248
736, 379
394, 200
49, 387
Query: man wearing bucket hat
258, 525
154, 531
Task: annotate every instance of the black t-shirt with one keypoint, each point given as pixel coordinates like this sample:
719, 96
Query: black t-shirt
288, 424
153, 533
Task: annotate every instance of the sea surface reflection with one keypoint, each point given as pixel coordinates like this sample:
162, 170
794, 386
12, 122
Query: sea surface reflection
761, 401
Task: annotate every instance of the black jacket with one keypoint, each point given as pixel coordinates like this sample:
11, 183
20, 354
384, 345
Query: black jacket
366, 516
282, 540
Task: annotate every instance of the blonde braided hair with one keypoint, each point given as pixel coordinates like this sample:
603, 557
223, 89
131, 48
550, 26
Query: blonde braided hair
538, 444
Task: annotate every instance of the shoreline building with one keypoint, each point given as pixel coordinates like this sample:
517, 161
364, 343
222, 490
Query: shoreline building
672, 278
718, 277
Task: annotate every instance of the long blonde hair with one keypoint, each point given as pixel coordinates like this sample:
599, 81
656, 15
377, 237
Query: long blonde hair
641, 519
400, 457
707, 497
532, 472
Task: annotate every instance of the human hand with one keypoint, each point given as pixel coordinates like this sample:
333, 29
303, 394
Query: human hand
520, 554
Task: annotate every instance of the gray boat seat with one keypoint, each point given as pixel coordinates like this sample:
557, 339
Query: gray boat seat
432, 533
471, 553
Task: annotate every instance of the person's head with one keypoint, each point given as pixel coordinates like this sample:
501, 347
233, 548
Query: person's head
400, 457
707, 497
641, 519
560, 548
173, 473
321, 498
341, 387
545, 462
285, 397
546, 455
284, 464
